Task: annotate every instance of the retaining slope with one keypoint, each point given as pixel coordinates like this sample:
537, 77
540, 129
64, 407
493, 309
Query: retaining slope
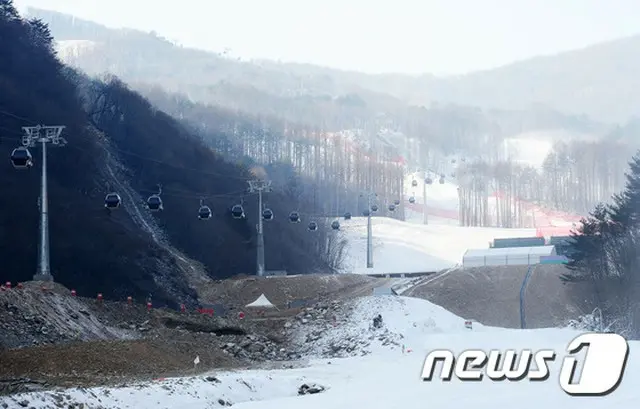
491, 295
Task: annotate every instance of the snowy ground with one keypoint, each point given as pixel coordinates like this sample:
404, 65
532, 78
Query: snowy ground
411, 246
385, 378
530, 148
405, 247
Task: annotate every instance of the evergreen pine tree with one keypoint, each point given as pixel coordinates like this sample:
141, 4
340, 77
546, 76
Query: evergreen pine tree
586, 246
625, 210
605, 224
41, 35
8, 10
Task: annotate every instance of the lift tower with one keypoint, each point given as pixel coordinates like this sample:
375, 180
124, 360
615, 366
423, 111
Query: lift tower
33, 136
260, 186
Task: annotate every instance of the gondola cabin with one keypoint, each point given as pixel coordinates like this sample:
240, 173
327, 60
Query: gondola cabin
154, 203
294, 217
237, 211
21, 158
112, 201
204, 213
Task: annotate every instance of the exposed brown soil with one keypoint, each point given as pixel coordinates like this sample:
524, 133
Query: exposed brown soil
110, 362
56, 339
491, 295
282, 290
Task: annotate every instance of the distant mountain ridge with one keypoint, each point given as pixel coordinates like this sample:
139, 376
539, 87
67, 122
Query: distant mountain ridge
297, 92
598, 81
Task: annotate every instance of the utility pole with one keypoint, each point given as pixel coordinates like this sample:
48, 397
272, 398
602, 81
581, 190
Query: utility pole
260, 186
43, 135
425, 213
369, 195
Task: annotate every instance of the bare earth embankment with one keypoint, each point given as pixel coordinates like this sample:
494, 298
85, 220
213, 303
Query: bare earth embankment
491, 295
50, 338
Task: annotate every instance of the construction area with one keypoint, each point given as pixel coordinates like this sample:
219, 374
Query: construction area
50, 336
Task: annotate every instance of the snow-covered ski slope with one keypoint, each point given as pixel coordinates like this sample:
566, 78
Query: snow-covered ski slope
411, 246
385, 378
405, 247
390, 379
443, 203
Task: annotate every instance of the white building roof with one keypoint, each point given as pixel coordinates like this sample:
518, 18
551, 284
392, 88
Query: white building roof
510, 251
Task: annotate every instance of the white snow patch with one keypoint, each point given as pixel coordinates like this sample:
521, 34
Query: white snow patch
192, 393
387, 378
530, 149
74, 48
404, 247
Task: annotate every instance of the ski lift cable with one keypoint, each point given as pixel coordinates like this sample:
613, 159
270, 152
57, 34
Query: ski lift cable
178, 194
17, 117
128, 153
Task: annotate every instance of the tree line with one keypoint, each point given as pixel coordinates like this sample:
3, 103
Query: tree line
605, 259
574, 177
336, 168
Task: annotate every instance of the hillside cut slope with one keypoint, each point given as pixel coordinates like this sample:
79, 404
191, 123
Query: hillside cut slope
491, 295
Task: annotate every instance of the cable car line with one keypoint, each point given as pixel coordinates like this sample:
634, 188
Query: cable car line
207, 173
17, 117
21, 158
154, 202
109, 148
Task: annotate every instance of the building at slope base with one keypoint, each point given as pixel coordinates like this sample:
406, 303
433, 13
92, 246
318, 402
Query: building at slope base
506, 256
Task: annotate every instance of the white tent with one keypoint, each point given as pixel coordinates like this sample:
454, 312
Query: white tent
261, 302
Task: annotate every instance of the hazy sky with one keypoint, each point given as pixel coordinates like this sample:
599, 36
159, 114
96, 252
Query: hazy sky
410, 36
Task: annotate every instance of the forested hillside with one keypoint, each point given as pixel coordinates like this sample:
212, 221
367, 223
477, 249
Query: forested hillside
119, 142
313, 96
331, 125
